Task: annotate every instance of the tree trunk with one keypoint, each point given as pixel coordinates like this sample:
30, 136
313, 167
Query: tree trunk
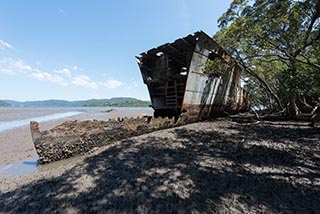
303, 105
264, 84
292, 107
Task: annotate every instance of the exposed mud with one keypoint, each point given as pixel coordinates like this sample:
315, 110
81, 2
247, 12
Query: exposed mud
209, 167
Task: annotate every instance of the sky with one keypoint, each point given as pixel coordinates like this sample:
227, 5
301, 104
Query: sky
85, 49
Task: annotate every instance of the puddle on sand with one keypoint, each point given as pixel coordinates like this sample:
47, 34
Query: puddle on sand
20, 168
32, 166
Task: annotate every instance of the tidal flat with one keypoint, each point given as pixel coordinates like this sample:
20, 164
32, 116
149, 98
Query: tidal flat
218, 166
16, 142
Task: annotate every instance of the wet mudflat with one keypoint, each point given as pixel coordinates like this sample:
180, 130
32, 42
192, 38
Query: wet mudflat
215, 166
15, 138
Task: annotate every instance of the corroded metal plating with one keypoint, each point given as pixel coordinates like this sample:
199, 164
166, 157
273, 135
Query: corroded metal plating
174, 75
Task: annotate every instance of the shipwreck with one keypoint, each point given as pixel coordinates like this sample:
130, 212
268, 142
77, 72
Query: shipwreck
177, 82
184, 86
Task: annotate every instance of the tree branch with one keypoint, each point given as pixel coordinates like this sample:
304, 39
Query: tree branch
264, 83
306, 44
275, 46
308, 62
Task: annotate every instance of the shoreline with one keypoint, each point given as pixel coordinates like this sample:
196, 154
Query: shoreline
6, 126
16, 144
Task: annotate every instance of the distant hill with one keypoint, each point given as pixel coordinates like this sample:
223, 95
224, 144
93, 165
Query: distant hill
116, 102
2, 103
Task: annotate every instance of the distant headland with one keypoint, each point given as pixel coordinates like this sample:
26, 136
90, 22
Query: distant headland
112, 102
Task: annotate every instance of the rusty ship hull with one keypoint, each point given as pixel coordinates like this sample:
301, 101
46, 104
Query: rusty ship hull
174, 75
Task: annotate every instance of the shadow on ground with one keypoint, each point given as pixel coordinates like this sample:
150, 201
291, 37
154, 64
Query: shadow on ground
200, 168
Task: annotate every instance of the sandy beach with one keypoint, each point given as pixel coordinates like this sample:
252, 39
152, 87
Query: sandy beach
216, 166
16, 144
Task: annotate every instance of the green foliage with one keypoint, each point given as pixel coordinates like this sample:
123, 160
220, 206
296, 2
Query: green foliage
278, 43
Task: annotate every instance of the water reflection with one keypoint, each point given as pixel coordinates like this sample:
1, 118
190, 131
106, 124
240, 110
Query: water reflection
19, 123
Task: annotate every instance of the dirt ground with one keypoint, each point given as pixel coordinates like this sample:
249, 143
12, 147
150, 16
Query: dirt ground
216, 166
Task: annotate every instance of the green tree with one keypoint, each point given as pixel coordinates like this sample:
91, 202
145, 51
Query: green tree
277, 44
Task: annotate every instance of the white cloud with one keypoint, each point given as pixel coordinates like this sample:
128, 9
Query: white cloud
112, 83
7, 71
12, 66
39, 75
65, 71
64, 76
5, 45
61, 11
21, 66
83, 80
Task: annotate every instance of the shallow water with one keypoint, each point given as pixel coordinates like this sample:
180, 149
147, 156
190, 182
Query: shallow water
4, 126
21, 168
31, 166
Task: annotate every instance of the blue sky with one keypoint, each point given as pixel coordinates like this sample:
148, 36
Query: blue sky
78, 50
